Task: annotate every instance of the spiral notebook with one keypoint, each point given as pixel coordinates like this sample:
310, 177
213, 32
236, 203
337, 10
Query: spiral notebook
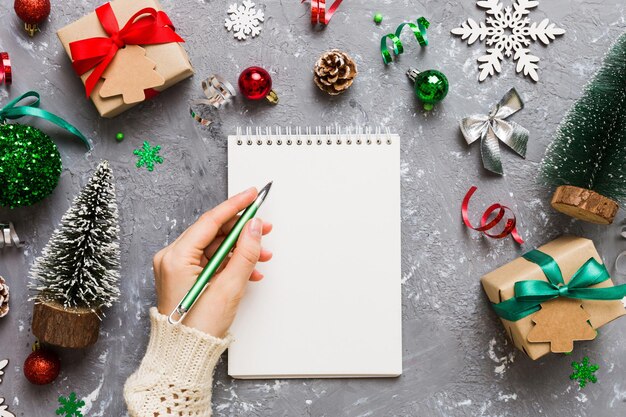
330, 303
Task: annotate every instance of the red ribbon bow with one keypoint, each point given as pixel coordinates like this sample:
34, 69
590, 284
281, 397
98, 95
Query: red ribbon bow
146, 27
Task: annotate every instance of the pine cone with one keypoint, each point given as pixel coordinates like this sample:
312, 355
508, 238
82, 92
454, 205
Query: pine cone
4, 298
334, 72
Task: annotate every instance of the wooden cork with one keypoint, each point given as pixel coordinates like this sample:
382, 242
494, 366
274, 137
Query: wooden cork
68, 328
584, 204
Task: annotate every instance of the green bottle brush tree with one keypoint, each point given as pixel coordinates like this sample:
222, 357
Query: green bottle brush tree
587, 158
78, 271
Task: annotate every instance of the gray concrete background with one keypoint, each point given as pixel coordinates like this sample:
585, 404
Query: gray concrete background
457, 361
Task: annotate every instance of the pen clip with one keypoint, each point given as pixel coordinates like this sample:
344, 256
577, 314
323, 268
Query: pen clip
181, 314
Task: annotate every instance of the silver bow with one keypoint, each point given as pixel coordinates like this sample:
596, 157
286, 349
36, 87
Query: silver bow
492, 127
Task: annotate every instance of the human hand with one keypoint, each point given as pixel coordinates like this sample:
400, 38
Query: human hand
177, 266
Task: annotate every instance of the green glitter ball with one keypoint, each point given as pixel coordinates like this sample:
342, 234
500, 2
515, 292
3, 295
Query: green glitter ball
431, 86
378, 17
119, 137
30, 165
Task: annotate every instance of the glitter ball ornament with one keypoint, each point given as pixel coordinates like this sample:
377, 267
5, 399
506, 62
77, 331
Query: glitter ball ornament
431, 86
30, 165
255, 83
32, 12
42, 366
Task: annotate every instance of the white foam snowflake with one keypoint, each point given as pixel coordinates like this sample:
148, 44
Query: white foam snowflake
5, 362
244, 20
507, 31
4, 412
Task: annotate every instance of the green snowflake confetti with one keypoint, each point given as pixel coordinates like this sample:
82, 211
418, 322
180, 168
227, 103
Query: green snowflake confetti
148, 156
70, 406
584, 372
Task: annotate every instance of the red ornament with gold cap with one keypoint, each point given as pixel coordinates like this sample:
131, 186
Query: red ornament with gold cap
255, 83
42, 366
32, 12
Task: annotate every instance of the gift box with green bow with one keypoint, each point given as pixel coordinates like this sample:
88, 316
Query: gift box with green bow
567, 271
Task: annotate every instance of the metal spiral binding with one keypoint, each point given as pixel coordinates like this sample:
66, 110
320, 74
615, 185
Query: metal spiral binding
318, 135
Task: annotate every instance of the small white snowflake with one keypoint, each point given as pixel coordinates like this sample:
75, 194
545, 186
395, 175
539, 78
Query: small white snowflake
5, 362
4, 412
244, 20
507, 31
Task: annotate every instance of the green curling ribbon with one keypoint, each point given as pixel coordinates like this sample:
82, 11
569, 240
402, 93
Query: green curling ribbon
12, 111
530, 294
419, 31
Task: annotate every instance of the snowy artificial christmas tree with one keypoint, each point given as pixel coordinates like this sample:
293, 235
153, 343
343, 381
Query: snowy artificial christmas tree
78, 271
587, 159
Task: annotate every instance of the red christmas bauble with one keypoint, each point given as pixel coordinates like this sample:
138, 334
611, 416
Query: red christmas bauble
32, 11
255, 83
42, 367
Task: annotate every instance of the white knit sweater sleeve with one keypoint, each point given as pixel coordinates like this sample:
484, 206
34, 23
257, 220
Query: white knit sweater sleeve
176, 374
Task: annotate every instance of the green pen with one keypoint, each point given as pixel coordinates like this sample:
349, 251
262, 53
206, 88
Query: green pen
216, 260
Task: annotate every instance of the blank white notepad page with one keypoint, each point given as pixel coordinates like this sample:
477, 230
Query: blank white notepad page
330, 302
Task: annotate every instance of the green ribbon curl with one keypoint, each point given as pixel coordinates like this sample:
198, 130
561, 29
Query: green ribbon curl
419, 31
12, 111
530, 294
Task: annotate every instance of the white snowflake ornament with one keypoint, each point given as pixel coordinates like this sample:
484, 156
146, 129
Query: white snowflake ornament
244, 20
507, 31
5, 362
4, 412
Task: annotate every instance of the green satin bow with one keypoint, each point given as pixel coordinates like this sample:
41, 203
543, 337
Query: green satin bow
530, 294
11, 111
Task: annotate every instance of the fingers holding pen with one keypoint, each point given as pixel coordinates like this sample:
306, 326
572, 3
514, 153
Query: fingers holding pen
248, 251
212, 248
200, 234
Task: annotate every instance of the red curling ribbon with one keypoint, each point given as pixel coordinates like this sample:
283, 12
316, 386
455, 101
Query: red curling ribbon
486, 225
319, 14
146, 27
6, 75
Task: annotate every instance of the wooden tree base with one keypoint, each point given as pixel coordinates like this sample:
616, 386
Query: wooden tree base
69, 328
584, 204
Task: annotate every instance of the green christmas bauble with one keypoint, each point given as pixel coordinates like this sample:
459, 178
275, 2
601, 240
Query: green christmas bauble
30, 165
431, 86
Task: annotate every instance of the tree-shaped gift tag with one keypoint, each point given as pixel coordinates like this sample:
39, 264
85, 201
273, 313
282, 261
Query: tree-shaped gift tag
561, 322
129, 74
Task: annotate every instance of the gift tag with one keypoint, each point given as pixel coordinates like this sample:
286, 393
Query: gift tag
561, 322
129, 74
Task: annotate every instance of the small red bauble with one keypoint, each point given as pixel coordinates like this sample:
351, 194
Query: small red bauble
255, 83
32, 12
42, 367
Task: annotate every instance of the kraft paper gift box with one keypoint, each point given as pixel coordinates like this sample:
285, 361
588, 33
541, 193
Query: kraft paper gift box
170, 58
570, 253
